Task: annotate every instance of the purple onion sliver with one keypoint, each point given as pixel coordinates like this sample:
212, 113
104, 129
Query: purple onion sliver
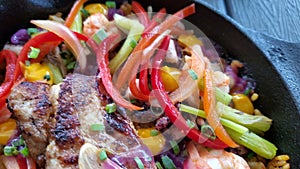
112, 11
20, 37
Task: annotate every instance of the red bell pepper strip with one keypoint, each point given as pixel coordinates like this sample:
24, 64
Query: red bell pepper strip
45, 42
141, 13
155, 20
102, 59
170, 110
132, 64
11, 59
211, 114
72, 14
143, 79
136, 92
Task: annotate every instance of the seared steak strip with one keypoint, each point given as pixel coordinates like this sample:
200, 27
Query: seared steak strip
32, 108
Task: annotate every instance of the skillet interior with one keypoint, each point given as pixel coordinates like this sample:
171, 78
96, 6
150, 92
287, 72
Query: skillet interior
275, 99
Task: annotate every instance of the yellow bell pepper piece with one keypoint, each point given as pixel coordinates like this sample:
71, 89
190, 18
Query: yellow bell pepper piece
96, 8
189, 40
38, 72
154, 143
170, 78
243, 103
7, 129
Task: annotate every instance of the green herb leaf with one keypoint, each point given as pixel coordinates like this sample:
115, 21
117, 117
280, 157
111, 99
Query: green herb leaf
24, 151
32, 31
10, 151
154, 133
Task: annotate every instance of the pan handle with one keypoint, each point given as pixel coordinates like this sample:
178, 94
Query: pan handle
284, 56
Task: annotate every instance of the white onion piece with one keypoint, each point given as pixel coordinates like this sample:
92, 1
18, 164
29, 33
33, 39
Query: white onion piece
66, 34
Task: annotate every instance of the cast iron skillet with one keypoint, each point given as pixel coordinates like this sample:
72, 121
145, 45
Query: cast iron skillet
273, 63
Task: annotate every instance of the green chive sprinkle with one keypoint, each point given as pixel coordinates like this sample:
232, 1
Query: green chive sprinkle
99, 36
193, 74
102, 155
32, 31
110, 4
110, 108
71, 65
168, 163
175, 147
24, 151
158, 165
34, 53
97, 127
139, 162
208, 131
133, 43
153, 133
10, 151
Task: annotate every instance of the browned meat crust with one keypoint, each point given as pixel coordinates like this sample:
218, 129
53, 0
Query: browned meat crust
32, 109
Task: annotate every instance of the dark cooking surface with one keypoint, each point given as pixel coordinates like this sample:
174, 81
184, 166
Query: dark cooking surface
279, 94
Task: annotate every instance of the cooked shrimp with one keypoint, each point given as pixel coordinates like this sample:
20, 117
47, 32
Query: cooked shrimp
213, 159
97, 21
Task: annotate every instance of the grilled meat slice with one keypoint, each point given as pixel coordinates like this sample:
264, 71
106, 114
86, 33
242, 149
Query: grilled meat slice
32, 108
78, 105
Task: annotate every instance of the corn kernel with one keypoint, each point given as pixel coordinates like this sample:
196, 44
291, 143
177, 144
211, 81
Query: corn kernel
286, 166
257, 112
254, 97
282, 157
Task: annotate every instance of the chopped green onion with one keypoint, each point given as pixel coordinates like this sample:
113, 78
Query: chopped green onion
34, 53
167, 162
71, 65
85, 14
139, 162
133, 43
158, 165
193, 74
99, 36
153, 133
24, 151
32, 31
208, 131
110, 4
97, 127
19, 142
10, 151
247, 91
47, 77
102, 155
27, 62
175, 147
190, 123
110, 108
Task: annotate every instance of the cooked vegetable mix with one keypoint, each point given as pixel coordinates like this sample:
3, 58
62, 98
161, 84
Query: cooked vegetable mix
160, 101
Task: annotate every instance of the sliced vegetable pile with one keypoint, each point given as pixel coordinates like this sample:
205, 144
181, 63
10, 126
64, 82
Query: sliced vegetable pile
150, 66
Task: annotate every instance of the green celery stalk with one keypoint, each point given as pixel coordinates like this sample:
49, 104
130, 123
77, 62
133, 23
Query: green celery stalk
221, 96
240, 134
256, 124
135, 30
57, 76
